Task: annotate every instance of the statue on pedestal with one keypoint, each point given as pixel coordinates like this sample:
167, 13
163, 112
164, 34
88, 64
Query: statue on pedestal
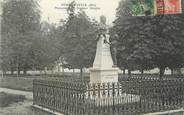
103, 30
103, 70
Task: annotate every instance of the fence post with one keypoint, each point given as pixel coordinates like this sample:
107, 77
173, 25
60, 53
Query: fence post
113, 94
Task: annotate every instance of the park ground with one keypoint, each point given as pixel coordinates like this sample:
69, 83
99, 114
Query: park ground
19, 87
22, 107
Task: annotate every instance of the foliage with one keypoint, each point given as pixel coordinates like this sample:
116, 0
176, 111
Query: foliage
48, 47
27, 43
20, 25
148, 42
79, 42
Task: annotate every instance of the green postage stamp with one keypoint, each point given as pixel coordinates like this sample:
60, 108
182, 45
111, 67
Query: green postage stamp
154, 7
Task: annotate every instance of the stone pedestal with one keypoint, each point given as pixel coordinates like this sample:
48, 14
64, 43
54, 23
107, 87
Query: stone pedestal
103, 70
102, 76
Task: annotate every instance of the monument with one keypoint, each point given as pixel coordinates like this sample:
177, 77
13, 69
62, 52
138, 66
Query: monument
103, 69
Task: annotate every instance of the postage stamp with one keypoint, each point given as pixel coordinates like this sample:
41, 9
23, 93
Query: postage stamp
141, 7
168, 6
154, 7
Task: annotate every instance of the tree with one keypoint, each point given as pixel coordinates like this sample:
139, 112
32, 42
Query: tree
48, 50
20, 21
134, 43
149, 41
170, 43
79, 41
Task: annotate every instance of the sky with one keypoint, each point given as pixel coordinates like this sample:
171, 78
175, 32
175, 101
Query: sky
54, 10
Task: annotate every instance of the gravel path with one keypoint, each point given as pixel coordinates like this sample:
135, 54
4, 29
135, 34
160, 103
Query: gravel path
29, 95
21, 108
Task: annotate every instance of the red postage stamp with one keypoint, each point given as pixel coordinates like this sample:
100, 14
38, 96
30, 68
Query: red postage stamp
168, 7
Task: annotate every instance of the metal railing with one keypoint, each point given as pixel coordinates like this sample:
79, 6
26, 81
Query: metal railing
123, 98
126, 77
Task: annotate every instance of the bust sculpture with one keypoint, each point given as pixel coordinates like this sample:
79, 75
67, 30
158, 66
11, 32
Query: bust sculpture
102, 28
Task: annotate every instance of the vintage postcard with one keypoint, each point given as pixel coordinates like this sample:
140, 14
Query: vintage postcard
91, 57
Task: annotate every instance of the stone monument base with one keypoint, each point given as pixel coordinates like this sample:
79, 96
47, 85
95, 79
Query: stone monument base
103, 75
116, 100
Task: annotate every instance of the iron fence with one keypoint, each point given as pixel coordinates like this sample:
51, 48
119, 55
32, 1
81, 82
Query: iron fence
131, 77
122, 98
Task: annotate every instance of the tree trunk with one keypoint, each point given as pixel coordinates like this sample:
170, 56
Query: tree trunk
81, 74
129, 73
40, 72
63, 70
18, 69
18, 72
45, 70
52, 71
162, 70
142, 73
4, 72
172, 71
124, 71
12, 71
58, 68
25, 71
73, 72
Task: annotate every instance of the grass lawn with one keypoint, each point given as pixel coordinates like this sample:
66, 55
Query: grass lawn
7, 99
25, 84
